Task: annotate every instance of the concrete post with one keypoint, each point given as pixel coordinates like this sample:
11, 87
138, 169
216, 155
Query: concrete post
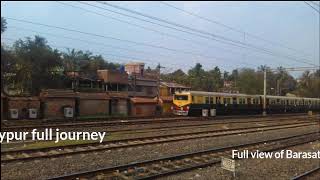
264, 92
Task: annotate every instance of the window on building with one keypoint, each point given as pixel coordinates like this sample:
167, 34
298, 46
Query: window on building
139, 88
149, 90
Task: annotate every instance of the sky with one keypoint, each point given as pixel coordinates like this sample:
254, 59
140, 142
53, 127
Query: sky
234, 34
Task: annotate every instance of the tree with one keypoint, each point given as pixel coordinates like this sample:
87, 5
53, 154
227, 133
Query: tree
37, 64
249, 81
196, 77
85, 62
3, 24
308, 85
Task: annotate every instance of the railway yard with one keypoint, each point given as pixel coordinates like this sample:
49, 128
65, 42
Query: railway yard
166, 148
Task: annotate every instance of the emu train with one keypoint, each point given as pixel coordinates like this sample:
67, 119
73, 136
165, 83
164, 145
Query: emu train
193, 102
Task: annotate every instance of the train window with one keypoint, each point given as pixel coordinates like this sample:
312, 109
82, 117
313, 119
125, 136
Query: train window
234, 100
278, 101
254, 101
227, 101
271, 101
257, 101
218, 100
207, 100
242, 101
181, 97
211, 100
249, 100
192, 98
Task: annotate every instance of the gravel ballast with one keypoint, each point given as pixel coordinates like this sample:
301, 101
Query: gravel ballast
44, 168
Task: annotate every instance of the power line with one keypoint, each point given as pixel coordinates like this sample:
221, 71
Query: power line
144, 27
311, 6
229, 27
315, 3
208, 35
118, 39
94, 42
106, 54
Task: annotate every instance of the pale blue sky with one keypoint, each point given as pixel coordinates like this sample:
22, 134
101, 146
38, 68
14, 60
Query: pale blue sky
292, 24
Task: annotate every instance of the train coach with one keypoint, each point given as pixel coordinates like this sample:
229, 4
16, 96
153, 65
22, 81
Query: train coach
192, 103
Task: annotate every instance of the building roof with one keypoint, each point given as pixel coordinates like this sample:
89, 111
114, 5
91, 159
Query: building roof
166, 98
174, 85
57, 93
139, 100
97, 96
134, 63
31, 98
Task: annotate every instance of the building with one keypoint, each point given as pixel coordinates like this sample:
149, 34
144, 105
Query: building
141, 84
113, 80
143, 107
169, 88
53, 102
135, 68
143, 87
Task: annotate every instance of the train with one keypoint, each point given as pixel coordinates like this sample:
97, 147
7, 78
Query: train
192, 103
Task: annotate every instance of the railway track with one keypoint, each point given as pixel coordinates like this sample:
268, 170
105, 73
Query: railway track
49, 152
186, 126
313, 174
27, 122
155, 168
201, 125
204, 121
96, 124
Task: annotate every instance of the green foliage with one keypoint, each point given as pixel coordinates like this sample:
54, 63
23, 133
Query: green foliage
309, 84
3, 25
85, 62
36, 63
31, 65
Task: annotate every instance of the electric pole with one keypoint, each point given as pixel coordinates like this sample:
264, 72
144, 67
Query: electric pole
159, 75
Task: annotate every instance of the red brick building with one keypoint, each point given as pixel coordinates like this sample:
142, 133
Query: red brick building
93, 104
23, 104
54, 101
143, 106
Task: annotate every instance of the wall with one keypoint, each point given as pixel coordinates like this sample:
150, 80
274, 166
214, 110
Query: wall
119, 106
143, 109
23, 104
113, 76
53, 107
93, 107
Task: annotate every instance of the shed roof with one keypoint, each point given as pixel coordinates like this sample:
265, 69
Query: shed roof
58, 93
139, 100
174, 85
96, 96
166, 98
31, 98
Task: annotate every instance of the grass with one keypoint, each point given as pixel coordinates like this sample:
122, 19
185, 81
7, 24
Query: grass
101, 116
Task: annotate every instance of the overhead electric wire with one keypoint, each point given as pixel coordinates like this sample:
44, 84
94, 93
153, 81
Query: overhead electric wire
106, 54
118, 39
147, 28
315, 3
312, 6
97, 43
230, 28
134, 58
210, 36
